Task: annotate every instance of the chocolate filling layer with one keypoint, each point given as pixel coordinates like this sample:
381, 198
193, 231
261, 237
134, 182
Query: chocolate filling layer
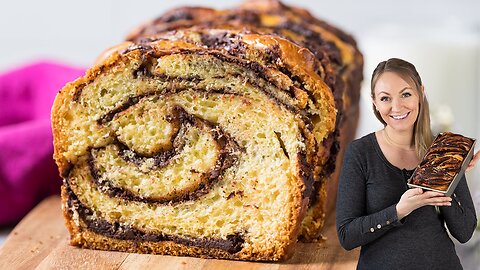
332, 143
227, 157
125, 105
175, 88
259, 70
224, 40
306, 175
282, 144
253, 66
144, 71
233, 243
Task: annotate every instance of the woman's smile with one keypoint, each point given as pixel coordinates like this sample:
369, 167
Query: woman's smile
400, 117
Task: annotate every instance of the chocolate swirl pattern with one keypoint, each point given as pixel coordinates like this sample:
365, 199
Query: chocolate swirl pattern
442, 162
185, 129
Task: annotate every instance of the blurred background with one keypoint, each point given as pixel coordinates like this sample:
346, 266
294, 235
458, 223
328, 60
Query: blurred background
440, 37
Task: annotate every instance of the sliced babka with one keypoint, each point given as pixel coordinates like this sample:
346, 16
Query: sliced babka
182, 145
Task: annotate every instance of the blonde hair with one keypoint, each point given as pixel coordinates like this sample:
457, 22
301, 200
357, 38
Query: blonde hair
422, 132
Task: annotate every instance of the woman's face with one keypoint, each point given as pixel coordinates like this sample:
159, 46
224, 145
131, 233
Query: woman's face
397, 101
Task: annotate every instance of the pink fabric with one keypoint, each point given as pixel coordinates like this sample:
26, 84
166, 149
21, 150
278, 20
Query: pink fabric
27, 170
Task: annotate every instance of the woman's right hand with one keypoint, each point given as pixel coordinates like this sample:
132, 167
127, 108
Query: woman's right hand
415, 198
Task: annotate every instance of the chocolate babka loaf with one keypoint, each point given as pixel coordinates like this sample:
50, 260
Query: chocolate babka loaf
184, 147
340, 65
442, 162
211, 133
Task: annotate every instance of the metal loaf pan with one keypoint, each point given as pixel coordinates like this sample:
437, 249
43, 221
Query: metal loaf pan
456, 178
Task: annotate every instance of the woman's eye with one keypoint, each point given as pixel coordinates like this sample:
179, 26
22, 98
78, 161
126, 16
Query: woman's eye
384, 99
407, 94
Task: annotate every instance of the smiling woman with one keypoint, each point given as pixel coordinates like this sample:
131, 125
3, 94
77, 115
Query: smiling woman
375, 208
399, 102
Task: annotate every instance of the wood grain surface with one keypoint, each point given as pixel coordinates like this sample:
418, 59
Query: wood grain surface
41, 241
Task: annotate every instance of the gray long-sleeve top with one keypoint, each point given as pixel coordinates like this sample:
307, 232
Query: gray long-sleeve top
369, 189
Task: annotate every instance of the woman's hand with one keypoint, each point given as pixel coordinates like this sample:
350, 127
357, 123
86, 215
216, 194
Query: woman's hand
415, 198
474, 161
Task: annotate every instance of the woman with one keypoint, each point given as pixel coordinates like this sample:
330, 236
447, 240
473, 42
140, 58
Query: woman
398, 227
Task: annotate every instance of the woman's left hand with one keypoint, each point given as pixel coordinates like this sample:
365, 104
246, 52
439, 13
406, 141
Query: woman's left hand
474, 161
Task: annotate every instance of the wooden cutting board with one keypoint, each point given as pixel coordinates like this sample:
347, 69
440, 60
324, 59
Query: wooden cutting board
40, 241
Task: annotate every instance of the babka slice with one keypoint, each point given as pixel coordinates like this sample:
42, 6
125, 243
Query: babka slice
172, 147
340, 65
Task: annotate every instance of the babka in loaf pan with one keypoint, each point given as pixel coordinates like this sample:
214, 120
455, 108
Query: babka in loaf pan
174, 146
444, 163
